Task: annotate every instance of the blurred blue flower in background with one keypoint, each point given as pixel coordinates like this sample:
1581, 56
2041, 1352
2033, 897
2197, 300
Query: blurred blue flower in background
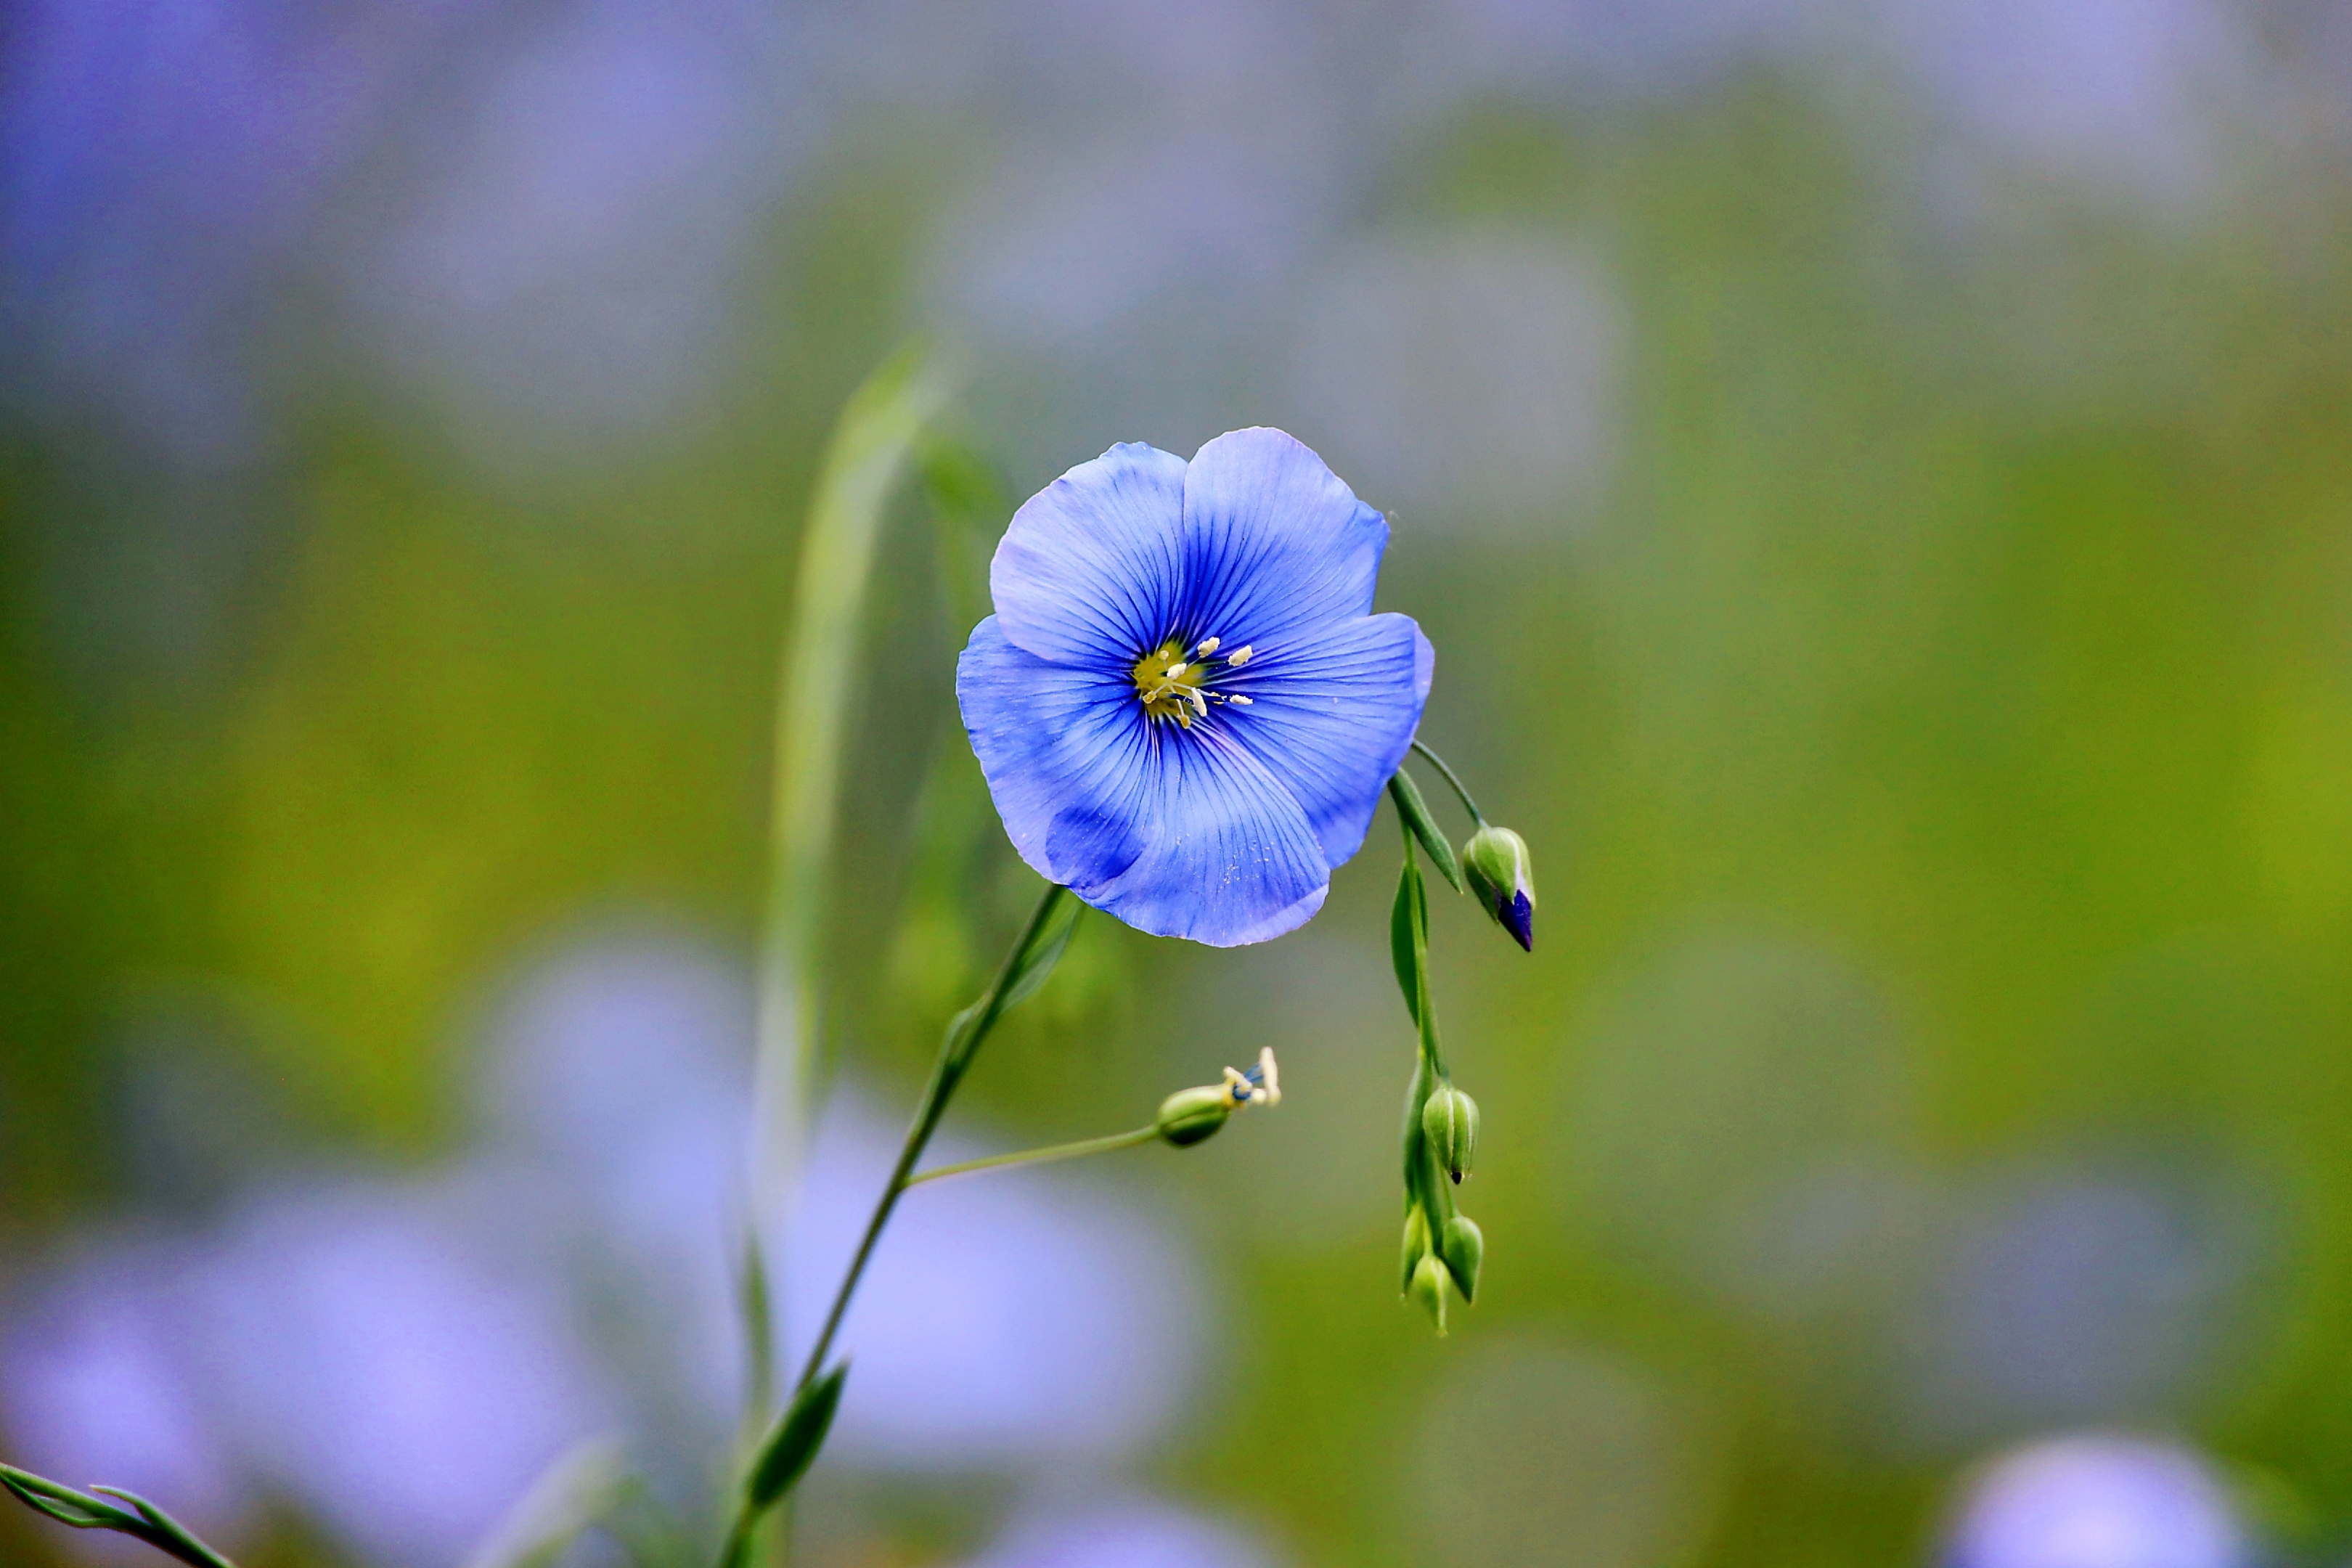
1026, 1259
165, 162
2098, 1502
1183, 705
1121, 1533
397, 1358
93, 1377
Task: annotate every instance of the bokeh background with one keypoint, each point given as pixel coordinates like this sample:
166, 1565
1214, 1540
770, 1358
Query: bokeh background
1876, 476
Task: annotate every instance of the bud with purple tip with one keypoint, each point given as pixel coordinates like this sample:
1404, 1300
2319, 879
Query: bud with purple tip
1497, 865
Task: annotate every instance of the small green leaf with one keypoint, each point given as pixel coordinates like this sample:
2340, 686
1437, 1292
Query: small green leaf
1424, 828
62, 1512
1402, 930
792, 1447
1038, 959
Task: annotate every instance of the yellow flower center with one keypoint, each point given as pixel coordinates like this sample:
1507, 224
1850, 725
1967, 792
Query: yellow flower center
1168, 684
1171, 683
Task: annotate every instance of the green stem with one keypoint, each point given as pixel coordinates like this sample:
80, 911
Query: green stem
956, 1052
1438, 763
1052, 1152
961, 1043
83, 1512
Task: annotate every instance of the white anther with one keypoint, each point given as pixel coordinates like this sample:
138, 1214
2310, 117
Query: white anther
1176, 671
1240, 656
1198, 700
1272, 1088
1208, 645
1238, 697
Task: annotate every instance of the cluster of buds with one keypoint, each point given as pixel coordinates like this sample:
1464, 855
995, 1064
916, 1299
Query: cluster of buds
1442, 1246
1191, 1115
1444, 1249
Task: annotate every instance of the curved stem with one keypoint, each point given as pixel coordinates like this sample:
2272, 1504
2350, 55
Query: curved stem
1052, 1152
1438, 763
84, 1512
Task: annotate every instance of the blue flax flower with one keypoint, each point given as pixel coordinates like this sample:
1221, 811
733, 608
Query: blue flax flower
1185, 706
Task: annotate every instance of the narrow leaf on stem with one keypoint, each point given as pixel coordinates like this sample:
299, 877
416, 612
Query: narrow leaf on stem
1404, 937
83, 1512
793, 1445
1414, 811
1038, 960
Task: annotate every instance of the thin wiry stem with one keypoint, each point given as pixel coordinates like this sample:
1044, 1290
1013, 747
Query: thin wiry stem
956, 1052
1052, 1152
960, 1044
1438, 763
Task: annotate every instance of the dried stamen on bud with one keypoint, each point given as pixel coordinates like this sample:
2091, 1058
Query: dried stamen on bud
1259, 1086
1189, 1115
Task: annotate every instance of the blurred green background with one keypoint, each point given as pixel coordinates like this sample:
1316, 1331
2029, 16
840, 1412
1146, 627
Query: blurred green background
1878, 483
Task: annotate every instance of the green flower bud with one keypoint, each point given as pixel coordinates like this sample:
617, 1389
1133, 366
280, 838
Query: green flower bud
1416, 1245
1465, 1250
1428, 1289
1497, 865
1189, 1115
1449, 1120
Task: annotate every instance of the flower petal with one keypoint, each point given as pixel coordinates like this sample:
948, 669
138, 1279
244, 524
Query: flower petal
1177, 832
1090, 568
1274, 543
1332, 715
1062, 749
1229, 857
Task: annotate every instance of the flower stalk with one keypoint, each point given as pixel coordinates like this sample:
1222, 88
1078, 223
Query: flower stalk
1032, 958
1048, 1155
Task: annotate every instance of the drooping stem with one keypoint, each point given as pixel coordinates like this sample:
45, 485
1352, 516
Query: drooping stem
1438, 763
1053, 1152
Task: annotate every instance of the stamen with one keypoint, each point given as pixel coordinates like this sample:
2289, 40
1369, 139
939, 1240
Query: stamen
1176, 671
1259, 1086
1267, 1075
1240, 656
1208, 645
1238, 698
